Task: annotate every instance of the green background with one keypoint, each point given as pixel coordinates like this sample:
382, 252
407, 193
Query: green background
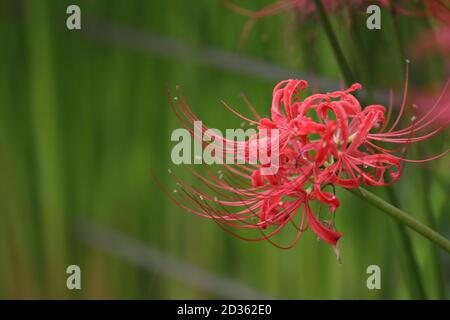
84, 119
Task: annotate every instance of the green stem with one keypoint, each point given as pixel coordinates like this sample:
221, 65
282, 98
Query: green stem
402, 217
364, 70
398, 37
340, 57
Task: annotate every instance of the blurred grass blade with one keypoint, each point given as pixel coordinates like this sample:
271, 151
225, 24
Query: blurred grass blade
332, 38
46, 142
402, 217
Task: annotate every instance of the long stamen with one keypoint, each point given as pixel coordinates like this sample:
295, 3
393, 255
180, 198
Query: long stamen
405, 94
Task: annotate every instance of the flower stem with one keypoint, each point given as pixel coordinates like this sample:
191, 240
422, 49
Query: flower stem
340, 57
402, 217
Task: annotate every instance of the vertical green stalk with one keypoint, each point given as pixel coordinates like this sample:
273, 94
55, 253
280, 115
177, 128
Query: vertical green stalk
398, 38
425, 180
440, 289
339, 54
414, 281
46, 143
364, 70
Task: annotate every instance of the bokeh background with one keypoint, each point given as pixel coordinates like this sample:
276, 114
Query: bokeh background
84, 119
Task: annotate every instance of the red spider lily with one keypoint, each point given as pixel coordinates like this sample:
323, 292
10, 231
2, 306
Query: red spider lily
324, 139
348, 151
243, 197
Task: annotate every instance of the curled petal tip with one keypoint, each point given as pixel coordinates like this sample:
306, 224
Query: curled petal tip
355, 86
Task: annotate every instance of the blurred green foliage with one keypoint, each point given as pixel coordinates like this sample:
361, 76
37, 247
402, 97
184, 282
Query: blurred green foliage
83, 121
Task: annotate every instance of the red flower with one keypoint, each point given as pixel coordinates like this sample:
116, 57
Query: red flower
324, 139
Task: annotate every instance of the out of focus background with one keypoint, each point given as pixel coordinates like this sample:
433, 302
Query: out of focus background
84, 119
